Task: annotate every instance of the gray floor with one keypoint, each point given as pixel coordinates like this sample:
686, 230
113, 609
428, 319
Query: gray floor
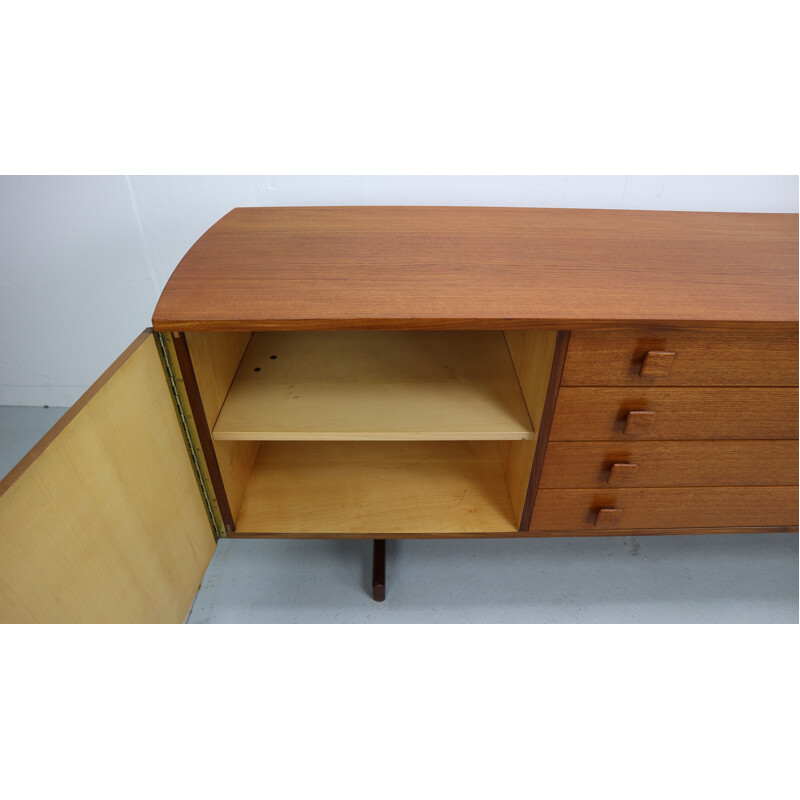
20, 428
731, 578
726, 578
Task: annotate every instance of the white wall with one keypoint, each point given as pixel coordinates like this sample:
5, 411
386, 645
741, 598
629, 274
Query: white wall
83, 259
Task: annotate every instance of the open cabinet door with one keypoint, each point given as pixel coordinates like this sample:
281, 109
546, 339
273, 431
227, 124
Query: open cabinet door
103, 520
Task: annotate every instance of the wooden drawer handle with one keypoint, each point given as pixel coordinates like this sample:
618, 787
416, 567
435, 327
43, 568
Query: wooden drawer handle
608, 517
638, 422
622, 473
657, 364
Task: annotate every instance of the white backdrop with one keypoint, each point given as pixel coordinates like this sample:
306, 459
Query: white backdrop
83, 259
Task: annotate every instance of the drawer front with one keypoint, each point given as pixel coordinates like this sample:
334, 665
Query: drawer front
603, 511
681, 358
627, 414
603, 465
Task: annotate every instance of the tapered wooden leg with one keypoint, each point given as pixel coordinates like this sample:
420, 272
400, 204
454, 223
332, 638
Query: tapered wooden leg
379, 570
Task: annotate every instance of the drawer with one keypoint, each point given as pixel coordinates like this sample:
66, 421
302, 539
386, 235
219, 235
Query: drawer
604, 414
702, 358
603, 511
603, 465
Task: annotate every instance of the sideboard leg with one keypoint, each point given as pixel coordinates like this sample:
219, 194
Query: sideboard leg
379, 570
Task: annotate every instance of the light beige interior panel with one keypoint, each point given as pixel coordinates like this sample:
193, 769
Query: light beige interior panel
215, 359
103, 521
362, 488
375, 386
532, 354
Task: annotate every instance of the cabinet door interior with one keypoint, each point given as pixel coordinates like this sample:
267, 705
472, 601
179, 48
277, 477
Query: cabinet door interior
103, 520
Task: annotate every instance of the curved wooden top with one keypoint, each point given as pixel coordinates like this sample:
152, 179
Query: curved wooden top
431, 267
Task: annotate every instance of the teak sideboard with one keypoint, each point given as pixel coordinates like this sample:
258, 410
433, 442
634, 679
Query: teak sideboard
402, 372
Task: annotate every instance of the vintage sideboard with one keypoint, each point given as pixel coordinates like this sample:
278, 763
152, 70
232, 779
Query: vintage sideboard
403, 372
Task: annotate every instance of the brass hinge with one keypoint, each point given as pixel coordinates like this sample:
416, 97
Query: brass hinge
181, 402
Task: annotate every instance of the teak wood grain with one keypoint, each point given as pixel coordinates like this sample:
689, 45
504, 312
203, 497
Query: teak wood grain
533, 354
215, 358
623, 473
575, 465
545, 422
535, 534
502, 268
657, 364
601, 413
187, 375
733, 357
607, 517
689, 507
639, 423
